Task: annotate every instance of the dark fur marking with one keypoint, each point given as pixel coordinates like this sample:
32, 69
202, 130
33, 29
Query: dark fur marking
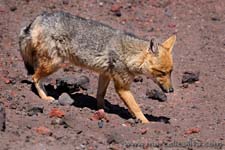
30, 69
112, 59
27, 29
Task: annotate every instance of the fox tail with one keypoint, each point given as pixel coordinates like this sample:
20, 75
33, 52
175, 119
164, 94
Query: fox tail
26, 50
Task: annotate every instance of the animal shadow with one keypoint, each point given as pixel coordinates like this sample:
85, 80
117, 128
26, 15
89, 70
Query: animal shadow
81, 101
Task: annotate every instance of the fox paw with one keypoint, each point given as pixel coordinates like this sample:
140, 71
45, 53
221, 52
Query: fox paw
144, 121
48, 98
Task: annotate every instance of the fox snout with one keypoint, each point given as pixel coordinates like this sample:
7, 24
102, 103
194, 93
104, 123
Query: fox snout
166, 90
165, 84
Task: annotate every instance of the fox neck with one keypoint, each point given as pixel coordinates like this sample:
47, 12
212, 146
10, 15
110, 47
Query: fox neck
135, 51
147, 64
140, 63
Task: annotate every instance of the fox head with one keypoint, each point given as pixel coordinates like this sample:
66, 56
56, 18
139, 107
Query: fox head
161, 63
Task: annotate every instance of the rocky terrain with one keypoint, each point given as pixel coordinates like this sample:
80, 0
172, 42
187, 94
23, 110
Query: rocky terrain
191, 118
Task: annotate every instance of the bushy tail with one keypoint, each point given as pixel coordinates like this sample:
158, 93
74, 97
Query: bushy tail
26, 49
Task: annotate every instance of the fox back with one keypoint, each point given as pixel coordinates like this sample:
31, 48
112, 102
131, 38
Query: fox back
84, 42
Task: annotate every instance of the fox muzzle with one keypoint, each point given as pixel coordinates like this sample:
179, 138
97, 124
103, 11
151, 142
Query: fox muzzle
166, 90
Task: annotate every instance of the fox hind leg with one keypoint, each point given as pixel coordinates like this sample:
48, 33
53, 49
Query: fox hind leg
44, 69
103, 83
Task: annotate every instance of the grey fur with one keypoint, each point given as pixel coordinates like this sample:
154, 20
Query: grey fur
84, 42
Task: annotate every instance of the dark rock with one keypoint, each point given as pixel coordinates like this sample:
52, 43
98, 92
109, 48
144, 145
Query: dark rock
28, 138
72, 85
215, 19
190, 77
13, 105
151, 29
67, 85
83, 82
57, 121
65, 2
29, 126
116, 10
13, 8
138, 79
65, 99
2, 117
185, 85
118, 13
156, 94
13, 81
168, 12
9, 97
35, 110
143, 131
65, 82
79, 132
100, 123
165, 120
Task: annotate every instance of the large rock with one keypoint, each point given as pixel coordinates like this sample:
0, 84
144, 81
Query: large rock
72, 84
190, 77
156, 95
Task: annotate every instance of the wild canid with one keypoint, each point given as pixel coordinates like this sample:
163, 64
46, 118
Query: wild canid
53, 38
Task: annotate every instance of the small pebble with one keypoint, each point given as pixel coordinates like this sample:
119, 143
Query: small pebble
101, 4
100, 123
114, 138
65, 2
13, 8
35, 110
215, 19
65, 100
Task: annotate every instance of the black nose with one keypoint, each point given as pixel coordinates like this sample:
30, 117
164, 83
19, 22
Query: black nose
171, 90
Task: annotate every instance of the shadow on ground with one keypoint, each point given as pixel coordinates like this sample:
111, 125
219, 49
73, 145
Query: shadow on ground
81, 101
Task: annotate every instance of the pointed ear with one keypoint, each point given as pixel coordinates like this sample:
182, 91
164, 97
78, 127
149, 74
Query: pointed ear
153, 46
169, 43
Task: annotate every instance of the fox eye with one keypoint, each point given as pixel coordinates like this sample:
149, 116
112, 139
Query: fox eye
161, 73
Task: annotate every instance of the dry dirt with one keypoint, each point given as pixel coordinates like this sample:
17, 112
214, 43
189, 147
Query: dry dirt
193, 117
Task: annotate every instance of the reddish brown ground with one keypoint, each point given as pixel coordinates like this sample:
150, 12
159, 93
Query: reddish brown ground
196, 113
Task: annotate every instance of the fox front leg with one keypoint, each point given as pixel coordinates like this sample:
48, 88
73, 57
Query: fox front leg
127, 97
